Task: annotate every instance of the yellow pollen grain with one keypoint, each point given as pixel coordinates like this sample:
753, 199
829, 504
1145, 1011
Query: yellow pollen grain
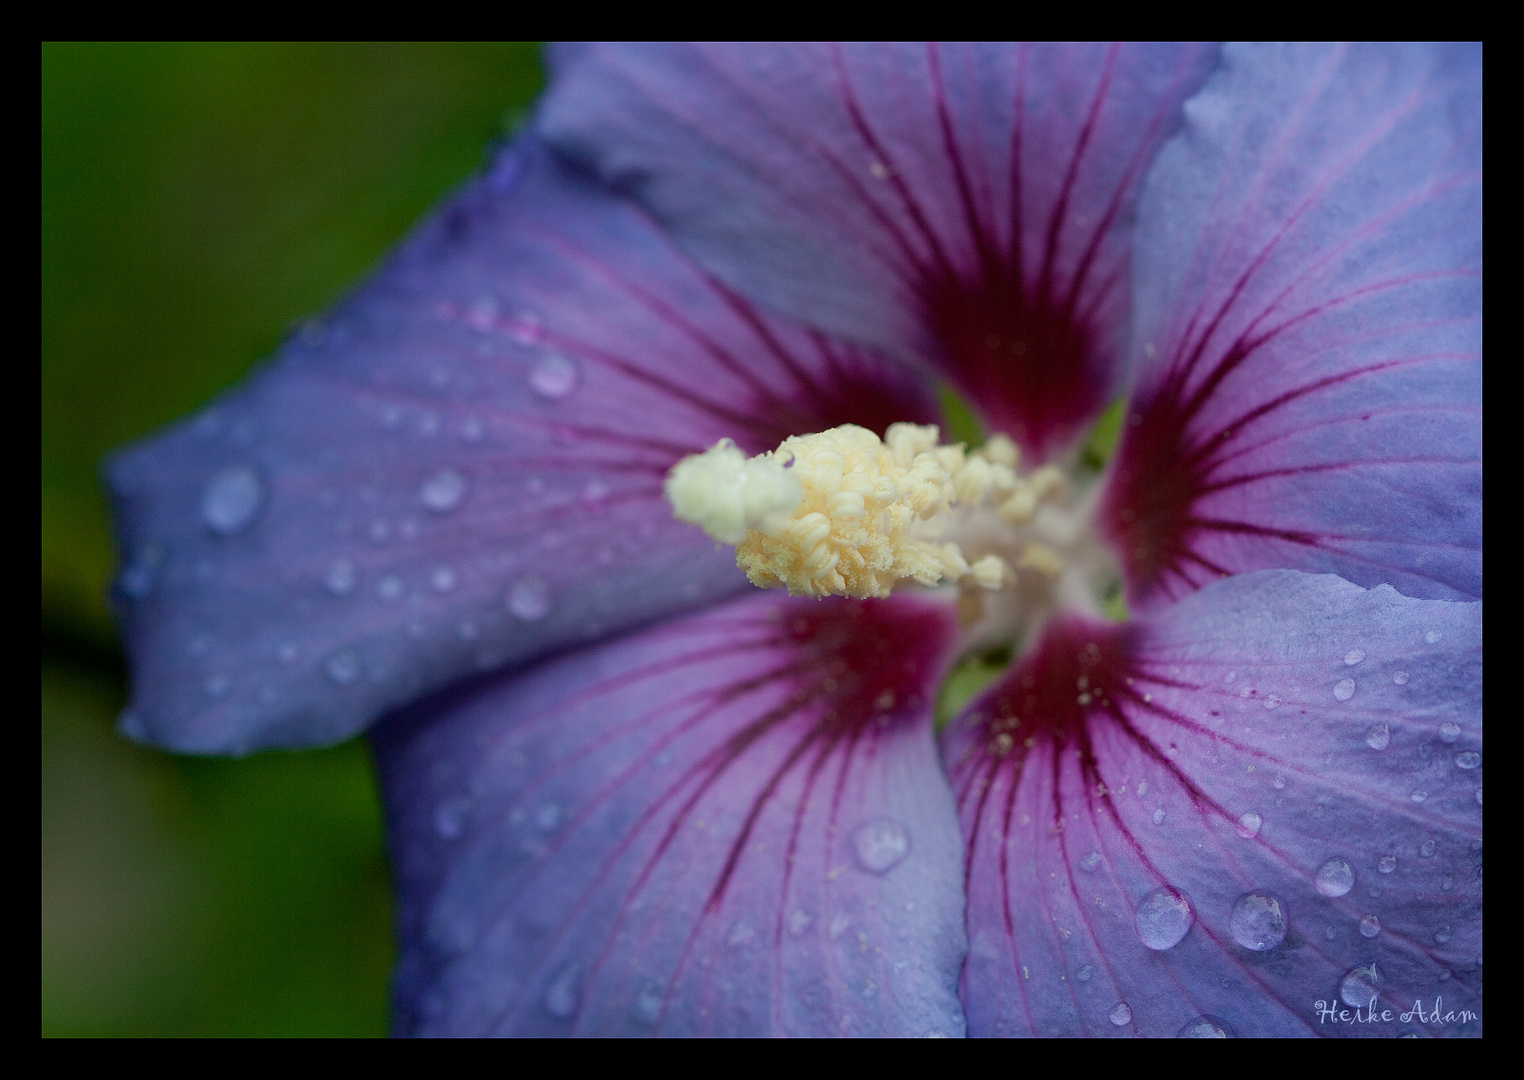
833, 514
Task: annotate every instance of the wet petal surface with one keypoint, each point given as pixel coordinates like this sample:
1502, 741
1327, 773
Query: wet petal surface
460, 469
1309, 321
1184, 818
733, 824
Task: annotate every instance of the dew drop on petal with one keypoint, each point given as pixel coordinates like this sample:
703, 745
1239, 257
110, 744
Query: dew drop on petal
1401, 678
1378, 736
1121, 1014
390, 588
1335, 878
1370, 926
529, 598
1163, 917
1360, 986
1443, 935
1089, 862
1387, 864
1432, 637
344, 668
1344, 689
1419, 796
1354, 656
1258, 920
232, 500
553, 376
564, 992
1468, 759
880, 845
1449, 731
1426, 849
443, 491
1279, 782
1249, 825
1159, 816
1205, 1027
1084, 974
442, 578
341, 578
798, 922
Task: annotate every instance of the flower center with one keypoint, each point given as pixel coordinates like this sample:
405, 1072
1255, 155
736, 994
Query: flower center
843, 513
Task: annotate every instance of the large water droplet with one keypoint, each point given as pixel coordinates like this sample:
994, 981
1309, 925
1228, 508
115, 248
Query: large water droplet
530, 598
1354, 656
1360, 986
232, 500
1163, 918
553, 376
1449, 731
1335, 878
1249, 825
1121, 1014
1468, 759
1344, 689
1370, 926
564, 992
1089, 862
344, 668
1258, 920
1387, 864
443, 491
1378, 736
341, 578
1205, 1027
880, 845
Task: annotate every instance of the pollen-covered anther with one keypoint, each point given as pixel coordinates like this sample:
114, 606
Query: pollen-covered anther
843, 513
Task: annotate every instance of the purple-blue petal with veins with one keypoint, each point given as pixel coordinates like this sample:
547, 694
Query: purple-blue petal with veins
1230, 809
459, 469
735, 823
967, 205
1308, 269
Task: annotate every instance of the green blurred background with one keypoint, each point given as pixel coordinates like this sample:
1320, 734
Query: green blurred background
197, 201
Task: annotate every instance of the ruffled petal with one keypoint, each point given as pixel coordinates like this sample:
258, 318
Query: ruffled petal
1309, 316
461, 469
1258, 804
969, 205
732, 824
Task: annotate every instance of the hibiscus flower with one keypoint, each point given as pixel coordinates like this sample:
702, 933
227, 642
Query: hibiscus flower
630, 793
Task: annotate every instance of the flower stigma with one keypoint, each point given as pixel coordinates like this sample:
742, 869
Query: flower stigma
843, 513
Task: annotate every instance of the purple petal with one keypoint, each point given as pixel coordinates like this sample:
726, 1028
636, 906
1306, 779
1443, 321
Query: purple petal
1223, 811
1309, 312
460, 469
967, 205
733, 824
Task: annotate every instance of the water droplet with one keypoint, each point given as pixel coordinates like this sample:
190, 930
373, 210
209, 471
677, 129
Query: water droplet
1335, 878
648, 1003
1449, 731
1163, 918
1443, 935
799, 922
838, 926
1426, 849
390, 588
1159, 816
1258, 920
530, 598
1354, 656
553, 376
880, 845
215, 686
232, 500
1401, 678
1446, 883
741, 934
1089, 862
1479, 796
548, 817
1279, 782
1249, 825
1468, 759
1271, 701
1084, 973
1378, 736
443, 491
450, 817
1387, 864
1205, 1027
1360, 986
1370, 926
1121, 1014
564, 993
341, 578
1344, 689
442, 578
1419, 796
1432, 637
344, 668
